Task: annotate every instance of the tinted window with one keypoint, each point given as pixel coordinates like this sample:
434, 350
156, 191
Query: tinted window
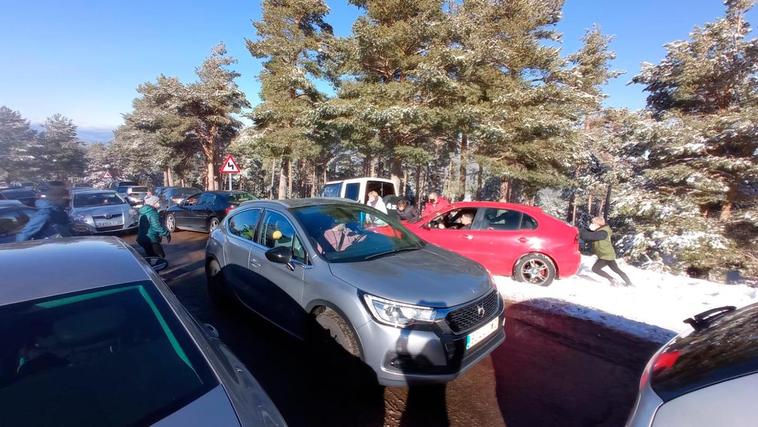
244, 224
331, 190
138, 190
121, 189
192, 200
18, 194
353, 191
457, 219
97, 199
528, 223
13, 220
345, 232
278, 231
114, 356
237, 198
381, 187
206, 199
501, 219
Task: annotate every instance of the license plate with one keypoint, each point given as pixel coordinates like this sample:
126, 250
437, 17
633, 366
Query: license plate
480, 334
106, 223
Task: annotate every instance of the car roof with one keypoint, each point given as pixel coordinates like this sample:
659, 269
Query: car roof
367, 178
11, 204
92, 191
498, 205
45, 268
299, 203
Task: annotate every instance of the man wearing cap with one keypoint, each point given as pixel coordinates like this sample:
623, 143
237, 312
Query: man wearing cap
150, 228
51, 219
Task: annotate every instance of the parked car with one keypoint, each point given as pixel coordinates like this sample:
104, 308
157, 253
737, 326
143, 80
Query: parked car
92, 335
414, 313
46, 186
26, 197
13, 217
133, 194
508, 239
172, 196
115, 184
358, 188
204, 211
101, 211
706, 377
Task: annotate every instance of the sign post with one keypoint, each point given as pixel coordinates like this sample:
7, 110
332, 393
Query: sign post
230, 168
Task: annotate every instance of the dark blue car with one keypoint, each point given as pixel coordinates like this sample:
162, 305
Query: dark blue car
204, 211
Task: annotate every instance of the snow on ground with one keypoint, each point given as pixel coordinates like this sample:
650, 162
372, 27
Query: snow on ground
653, 308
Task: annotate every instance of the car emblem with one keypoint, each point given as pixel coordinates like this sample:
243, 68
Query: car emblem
108, 216
480, 310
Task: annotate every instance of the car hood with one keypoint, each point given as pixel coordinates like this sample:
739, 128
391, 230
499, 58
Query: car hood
430, 276
101, 210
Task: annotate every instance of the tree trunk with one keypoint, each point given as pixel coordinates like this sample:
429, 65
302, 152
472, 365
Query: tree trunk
211, 177
314, 181
417, 199
464, 163
479, 182
283, 167
505, 190
607, 205
273, 179
289, 179
726, 207
367, 165
405, 182
396, 170
589, 204
571, 211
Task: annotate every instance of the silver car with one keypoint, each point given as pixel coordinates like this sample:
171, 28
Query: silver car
707, 377
413, 312
91, 336
101, 211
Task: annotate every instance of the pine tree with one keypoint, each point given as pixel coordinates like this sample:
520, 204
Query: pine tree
16, 138
289, 38
59, 154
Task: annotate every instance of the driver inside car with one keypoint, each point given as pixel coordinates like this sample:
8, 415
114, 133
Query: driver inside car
340, 237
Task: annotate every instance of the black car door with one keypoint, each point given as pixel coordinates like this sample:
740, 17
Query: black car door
183, 211
203, 211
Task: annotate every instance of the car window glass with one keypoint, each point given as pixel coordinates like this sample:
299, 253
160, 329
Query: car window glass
206, 199
192, 200
456, 219
93, 356
244, 224
13, 220
331, 190
278, 231
97, 199
352, 191
528, 223
501, 219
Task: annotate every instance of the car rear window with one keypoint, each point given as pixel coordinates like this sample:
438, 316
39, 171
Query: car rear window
237, 198
139, 190
116, 356
97, 199
331, 190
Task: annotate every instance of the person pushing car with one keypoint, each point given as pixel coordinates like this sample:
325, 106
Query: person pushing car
150, 228
599, 233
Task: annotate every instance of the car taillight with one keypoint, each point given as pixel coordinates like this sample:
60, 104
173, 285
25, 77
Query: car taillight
229, 209
661, 362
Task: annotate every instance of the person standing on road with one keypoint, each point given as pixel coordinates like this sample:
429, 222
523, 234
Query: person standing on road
405, 210
599, 233
434, 204
50, 220
150, 229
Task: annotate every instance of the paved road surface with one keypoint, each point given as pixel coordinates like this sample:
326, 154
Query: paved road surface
551, 371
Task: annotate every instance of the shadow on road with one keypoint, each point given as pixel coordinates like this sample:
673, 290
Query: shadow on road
556, 370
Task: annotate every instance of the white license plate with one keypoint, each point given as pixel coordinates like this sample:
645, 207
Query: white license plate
480, 334
111, 223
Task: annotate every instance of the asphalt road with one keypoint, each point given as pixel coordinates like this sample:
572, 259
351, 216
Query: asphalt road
551, 371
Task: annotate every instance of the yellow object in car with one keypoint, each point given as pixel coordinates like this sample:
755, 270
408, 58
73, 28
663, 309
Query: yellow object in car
276, 235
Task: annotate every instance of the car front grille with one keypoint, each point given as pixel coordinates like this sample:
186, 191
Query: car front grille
111, 216
470, 316
110, 228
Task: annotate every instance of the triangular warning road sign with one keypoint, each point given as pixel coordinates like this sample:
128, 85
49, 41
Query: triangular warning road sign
229, 165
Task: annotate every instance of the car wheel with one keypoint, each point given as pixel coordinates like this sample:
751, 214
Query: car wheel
217, 289
171, 223
536, 269
213, 223
339, 330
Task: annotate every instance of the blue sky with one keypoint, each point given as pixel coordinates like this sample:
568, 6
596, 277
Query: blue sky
84, 59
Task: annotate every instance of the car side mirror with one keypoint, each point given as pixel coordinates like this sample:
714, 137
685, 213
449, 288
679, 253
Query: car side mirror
279, 255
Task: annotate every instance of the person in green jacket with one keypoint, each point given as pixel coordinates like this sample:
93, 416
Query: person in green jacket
150, 228
599, 233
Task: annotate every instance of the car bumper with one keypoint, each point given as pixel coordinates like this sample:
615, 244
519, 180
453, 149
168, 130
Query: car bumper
568, 264
431, 355
87, 229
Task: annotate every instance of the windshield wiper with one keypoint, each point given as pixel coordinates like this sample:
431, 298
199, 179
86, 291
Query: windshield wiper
706, 318
393, 251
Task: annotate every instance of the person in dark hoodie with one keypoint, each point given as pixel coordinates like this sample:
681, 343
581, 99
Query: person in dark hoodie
50, 220
599, 234
150, 229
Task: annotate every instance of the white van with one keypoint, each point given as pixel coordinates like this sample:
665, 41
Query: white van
358, 188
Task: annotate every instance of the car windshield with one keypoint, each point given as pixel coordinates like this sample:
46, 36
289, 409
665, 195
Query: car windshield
331, 190
138, 190
114, 356
97, 199
237, 198
350, 233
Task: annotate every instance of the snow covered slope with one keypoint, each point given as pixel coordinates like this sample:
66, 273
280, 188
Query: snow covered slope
653, 308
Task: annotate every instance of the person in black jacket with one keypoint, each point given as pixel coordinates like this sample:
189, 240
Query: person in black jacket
405, 210
599, 233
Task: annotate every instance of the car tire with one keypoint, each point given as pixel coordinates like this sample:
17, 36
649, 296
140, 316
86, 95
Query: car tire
339, 330
171, 223
536, 269
217, 290
213, 223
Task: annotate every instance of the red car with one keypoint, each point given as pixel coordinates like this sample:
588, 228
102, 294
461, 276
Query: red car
507, 239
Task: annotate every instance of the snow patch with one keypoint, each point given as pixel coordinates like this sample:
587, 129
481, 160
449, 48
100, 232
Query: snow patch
653, 308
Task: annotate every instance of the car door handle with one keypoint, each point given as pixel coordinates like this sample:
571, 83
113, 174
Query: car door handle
523, 239
468, 236
254, 263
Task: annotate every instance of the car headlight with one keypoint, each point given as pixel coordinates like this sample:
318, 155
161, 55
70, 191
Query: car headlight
397, 314
86, 219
